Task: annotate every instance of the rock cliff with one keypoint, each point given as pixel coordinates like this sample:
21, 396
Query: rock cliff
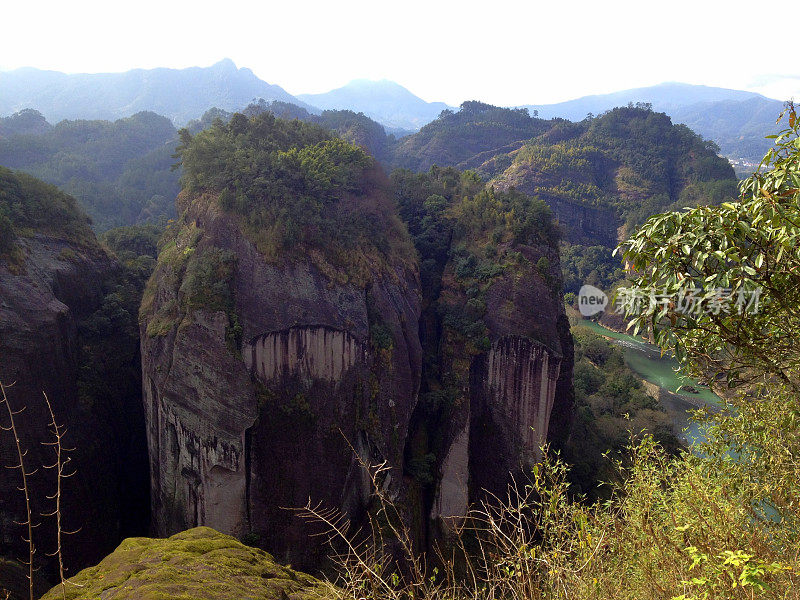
243, 425
54, 280
576, 188
497, 375
519, 394
268, 379
273, 372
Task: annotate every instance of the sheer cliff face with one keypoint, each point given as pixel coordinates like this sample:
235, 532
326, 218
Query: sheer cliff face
45, 293
520, 389
304, 352
274, 400
268, 384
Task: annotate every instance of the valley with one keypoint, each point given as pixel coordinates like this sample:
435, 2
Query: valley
326, 345
648, 362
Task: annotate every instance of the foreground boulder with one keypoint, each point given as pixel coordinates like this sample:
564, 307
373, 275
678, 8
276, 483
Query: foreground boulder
200, 564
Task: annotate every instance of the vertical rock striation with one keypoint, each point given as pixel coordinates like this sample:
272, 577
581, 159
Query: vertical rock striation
304, 352
273, 401
520, 387
283, 329
519, 395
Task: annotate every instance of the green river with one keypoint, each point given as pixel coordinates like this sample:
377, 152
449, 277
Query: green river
647, 361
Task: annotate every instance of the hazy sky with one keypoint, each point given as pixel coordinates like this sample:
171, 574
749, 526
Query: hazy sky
497, 51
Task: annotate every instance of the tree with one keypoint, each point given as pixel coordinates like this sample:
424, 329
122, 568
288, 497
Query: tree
726, 279
723, 291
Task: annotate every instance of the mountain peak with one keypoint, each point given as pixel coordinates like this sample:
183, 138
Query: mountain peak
179, 94
373, 83
384, 100
226, 64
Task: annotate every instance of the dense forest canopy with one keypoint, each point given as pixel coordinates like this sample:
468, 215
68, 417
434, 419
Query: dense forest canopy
631, 160
454, 215
456, 137
28, 205
23, 122
354, 127
122, 172
119, 171
297, 187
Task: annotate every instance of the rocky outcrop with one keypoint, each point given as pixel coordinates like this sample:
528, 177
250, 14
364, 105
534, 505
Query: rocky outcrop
49, 286
274, 374
588, 225
520, 386
514, 389
304, 352
520, 389
581, 222
275, 400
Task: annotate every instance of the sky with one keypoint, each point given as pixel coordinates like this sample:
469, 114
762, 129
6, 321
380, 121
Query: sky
498, 51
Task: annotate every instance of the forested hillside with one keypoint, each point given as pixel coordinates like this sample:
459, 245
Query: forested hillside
631, 162
355, 127
737, 121
476, 130
618, 168
301, 161
120, 171
602, 176
25, 121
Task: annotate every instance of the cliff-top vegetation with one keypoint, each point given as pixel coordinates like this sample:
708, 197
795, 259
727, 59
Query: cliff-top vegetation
299, 190
28, 205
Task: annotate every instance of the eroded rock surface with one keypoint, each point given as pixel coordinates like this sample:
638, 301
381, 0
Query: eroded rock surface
48, 288
257, 409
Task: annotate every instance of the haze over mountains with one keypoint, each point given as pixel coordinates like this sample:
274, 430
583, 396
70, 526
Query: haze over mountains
385, 101
736, 120
665, 97
180, 94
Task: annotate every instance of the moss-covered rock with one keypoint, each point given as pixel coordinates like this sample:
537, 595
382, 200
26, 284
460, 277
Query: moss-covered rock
197, 564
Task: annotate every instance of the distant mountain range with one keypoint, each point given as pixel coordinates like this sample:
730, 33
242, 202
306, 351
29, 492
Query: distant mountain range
665, 97
736, 120
180, 94
385, 101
